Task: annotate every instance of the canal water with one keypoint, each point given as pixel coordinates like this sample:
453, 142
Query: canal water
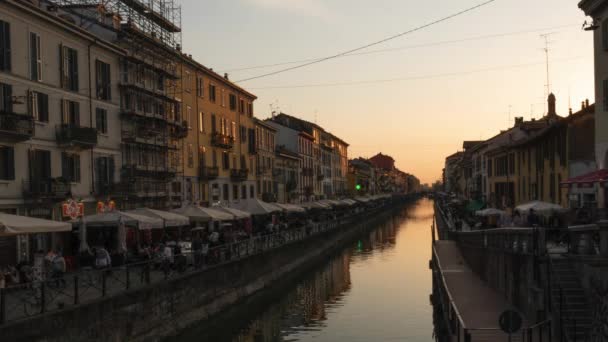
377, 289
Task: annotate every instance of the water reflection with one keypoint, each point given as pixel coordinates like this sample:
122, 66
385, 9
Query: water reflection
376, 290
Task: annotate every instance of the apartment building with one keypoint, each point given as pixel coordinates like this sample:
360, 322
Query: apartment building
267, 187
324, 157
286, 175
59, 117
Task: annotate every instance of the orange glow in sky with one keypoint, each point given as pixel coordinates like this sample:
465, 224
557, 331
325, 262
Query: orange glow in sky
418, 97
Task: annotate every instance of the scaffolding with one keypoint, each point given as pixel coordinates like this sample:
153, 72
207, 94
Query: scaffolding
149, 31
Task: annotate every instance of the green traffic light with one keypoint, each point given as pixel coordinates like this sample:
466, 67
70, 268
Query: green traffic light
358, 186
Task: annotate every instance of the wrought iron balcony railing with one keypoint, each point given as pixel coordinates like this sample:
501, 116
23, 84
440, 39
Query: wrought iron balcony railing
76, 136
49, 189
222, 141
239, 175
16, 127
208, 172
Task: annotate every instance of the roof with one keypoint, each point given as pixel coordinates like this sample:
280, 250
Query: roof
599, 176
467, 144
380, 155
264, 124
301, 125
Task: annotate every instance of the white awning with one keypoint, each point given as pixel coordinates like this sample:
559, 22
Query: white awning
256, 207
15, 225
169, 219
290, 207
238, 214
114, 218
196, 213
540, 207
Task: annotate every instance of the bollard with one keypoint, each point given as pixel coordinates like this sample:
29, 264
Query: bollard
603, 225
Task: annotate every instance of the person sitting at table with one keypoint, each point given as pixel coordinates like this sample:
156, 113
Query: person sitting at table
102, 258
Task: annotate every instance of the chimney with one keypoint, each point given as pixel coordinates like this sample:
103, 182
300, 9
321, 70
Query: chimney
587, 103
551, 104
226, 75
569, 111
519, 121
582, 105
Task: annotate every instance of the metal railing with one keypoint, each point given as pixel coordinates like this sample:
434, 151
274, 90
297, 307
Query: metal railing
85, 137
522, 241
36, 298
16, 127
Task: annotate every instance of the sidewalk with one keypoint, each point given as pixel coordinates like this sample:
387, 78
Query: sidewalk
479, 305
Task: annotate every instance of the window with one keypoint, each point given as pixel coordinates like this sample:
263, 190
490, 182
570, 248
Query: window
232, 98
102, 77
605, 34
243, 134
233, 129
40, 165
70, 167
7, 163
104, 172
251, 191
235, 192
101, 120
5, 46
225, 192
489, 161
212, 94
201, 122
225, 160
35, 59
160, 82
244, 192
512, 164
190, 156
189, 116
39, 104
223, 98
250, 109
199, 86
70, 113
6, 98
69, 68
241, 106
188, 82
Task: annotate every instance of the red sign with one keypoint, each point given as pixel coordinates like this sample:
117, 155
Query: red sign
103, 207
72, 209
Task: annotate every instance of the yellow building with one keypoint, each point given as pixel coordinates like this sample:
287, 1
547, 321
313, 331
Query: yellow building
219, 148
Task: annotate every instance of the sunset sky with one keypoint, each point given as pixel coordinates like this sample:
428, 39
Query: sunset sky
420, 99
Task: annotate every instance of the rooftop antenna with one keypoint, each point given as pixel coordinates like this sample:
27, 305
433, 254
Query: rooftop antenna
546, 49
316, 112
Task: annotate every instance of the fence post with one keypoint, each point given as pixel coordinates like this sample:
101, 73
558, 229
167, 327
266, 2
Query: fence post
128, 280
42, 297
76, 294
103, 283
2, 306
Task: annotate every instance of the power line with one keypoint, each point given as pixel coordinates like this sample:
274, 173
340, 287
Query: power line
408, 47
413, 78
371, 44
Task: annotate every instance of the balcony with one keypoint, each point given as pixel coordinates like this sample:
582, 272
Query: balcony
179, 131
54, 189
142, 189
222, 141
158, 172
16, 127
76, 136
208, 172
239, 175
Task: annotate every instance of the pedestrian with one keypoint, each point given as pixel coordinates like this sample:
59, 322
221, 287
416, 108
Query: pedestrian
197, 247
102, 258
59, 269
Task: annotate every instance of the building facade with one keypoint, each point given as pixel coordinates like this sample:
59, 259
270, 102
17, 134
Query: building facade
267, 186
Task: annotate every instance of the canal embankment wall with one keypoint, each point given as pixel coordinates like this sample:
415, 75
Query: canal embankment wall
163, 309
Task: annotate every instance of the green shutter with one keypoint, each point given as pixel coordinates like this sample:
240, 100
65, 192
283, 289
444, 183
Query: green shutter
10, 158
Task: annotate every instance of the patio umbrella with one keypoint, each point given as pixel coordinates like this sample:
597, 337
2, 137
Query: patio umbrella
116, 218
196, 213
490, 212
169, 219
540, 207
290, 207
256, 207
238, 214
15, 225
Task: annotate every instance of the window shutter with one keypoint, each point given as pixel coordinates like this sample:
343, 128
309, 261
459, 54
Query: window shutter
5, 46
76, 168
76, 117
65, 167
64, 112
111, 170
47, 164
62, 67
605, 35
605, 93
10, 158
74, 74
43, 107
33, 57
98, 82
